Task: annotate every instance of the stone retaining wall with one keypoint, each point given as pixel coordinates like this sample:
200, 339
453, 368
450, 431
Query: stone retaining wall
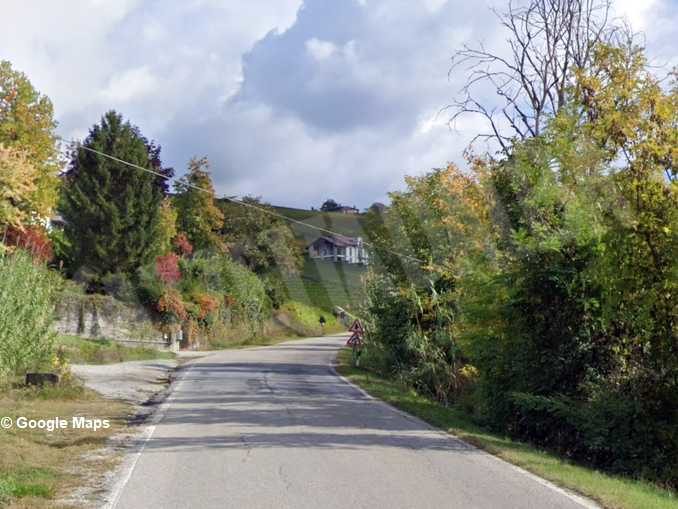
101, 316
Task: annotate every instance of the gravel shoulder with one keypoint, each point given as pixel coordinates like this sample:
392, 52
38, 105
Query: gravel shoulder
141, 384
134, 382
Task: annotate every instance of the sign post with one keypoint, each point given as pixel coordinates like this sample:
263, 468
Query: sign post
356, 341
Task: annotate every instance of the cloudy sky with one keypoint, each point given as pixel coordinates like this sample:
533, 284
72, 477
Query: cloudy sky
292, 100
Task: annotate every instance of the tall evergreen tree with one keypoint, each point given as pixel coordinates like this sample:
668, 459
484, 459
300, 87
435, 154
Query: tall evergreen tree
112, 210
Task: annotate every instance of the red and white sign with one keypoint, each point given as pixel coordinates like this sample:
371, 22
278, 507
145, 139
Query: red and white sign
356, 327
356, 339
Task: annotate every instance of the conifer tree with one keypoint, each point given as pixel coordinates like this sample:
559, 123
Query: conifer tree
112, 210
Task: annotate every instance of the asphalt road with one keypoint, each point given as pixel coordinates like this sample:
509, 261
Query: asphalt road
275, 427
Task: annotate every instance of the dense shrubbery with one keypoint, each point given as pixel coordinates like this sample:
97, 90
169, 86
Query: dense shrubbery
544, 298
27, 291
209, 292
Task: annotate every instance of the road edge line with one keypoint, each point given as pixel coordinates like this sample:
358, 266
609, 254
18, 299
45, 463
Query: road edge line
125, 470
572, 495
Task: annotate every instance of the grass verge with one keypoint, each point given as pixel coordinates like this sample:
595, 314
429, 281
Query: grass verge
294, 320
102, 351
267, 340
38, 467
614, 492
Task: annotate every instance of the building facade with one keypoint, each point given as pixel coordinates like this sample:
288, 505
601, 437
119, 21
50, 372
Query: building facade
336, 248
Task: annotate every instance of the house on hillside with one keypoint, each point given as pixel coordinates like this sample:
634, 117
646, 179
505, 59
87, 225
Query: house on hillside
345, 209
332, 206
337, 248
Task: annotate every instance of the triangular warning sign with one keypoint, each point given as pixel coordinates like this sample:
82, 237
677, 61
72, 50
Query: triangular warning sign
355, 340
356, 327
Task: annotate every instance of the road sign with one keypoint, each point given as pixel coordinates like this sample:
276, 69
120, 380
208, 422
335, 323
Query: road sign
356, 327
356, 340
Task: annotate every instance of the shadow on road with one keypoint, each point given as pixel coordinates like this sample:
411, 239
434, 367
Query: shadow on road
284, 405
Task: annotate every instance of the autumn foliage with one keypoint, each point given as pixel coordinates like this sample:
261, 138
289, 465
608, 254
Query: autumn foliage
207, 304
34, 240
171, 303
167, 268
182, 245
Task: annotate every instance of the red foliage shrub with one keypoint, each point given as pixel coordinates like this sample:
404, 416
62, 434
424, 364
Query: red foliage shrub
33, 240
167, 268
170, 303
207, 304
182, 245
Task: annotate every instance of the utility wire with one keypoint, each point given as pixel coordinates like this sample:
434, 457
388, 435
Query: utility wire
243, 203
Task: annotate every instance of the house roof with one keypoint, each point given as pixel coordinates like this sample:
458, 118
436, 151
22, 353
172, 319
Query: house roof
339, 240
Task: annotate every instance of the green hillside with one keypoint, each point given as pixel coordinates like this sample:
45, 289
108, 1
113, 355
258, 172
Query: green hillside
346, 224
327, 284
321, 283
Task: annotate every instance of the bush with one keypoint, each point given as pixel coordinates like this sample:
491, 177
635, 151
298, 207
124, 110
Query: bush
27, 292
250, 302
409, 335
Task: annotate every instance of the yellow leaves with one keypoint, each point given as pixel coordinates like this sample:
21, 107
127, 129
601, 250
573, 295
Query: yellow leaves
20, 199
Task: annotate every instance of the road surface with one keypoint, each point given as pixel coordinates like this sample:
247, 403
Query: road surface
275, 427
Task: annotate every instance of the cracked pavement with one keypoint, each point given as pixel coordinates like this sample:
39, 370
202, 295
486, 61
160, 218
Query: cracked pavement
276, 427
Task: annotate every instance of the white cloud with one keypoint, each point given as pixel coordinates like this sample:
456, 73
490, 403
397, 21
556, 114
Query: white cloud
334, 99
636, 11
434, 5
132, 84
320, 50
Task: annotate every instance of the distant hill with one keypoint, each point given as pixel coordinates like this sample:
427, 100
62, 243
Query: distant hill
325, 284
321, 283
345, 224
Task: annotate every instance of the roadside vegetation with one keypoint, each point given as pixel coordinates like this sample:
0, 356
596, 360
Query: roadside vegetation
78, 350
536, 288
614, 492
531, 293
209, 271
38, 468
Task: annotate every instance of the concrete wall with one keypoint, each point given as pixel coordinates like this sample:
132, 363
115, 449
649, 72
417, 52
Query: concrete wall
101, 316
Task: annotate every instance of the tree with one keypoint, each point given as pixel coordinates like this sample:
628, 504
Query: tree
329, 205
167, 227
112, 210
548, 41
198, 215
635, 121
29, 160
20, 202
261, 241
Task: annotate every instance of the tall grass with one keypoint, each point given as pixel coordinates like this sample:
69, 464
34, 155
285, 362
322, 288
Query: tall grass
27, 292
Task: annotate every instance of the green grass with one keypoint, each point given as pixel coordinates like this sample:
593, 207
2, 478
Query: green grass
27, 482
102, 351
293, 320
345, 224
38, 467
326, 284
611, 491
306, 319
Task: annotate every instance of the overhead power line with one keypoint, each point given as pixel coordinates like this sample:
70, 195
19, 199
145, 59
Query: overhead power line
265, 210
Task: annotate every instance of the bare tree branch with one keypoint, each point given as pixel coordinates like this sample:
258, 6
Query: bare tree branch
547, 41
